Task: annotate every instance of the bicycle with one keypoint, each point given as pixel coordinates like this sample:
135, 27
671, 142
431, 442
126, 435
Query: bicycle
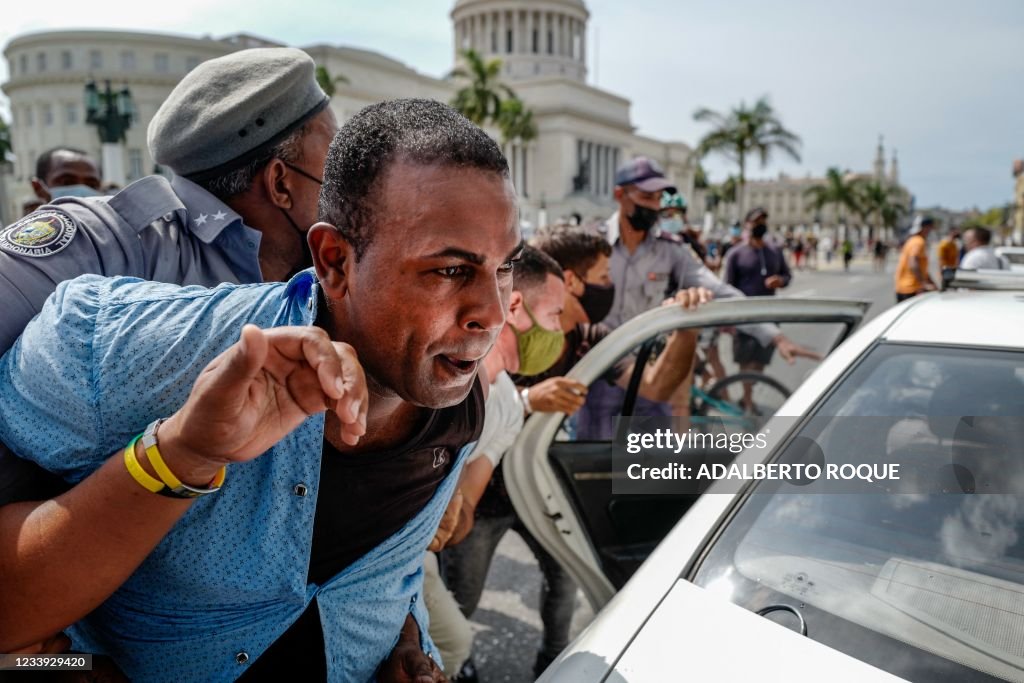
716, 405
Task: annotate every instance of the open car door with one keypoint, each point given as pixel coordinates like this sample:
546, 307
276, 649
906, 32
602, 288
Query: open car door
560, 479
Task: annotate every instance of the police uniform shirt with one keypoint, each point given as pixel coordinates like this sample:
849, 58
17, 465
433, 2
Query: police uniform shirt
173, 232
154, 229
657, 270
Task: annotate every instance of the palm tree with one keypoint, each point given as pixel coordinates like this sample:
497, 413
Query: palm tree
837, 191
327, 82
480, 99
879, 200
515, 121
743, 132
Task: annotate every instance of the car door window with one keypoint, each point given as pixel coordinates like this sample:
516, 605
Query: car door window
734, 382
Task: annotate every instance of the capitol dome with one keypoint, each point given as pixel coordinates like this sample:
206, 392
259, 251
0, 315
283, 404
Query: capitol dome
533, 38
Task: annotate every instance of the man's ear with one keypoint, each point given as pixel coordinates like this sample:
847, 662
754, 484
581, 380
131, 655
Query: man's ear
276, 183
333, 257
573, 284
40, 191
618, 193
515, 303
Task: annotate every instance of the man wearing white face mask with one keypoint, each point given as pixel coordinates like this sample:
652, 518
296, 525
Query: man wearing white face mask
65, 172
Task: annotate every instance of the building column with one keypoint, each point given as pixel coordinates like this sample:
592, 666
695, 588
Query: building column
543, 33
529, 32
583, 43
501, 33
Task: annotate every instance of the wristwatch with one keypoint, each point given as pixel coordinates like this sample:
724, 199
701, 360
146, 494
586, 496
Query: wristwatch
524, 394
175, 487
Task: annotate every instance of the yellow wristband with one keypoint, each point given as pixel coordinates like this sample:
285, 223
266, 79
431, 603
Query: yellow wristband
135, 469
175, 487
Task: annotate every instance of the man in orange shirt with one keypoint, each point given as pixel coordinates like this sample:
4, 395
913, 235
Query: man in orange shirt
912, 271
949, 252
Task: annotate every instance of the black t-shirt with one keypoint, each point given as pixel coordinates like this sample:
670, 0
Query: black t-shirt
364, 499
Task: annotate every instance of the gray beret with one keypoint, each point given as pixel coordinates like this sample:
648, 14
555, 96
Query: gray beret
227, 111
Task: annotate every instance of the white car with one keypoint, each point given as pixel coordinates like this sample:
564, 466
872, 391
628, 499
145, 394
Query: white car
921, 587
1013, 256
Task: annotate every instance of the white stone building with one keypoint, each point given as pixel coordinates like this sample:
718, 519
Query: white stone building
583, 132
788, 206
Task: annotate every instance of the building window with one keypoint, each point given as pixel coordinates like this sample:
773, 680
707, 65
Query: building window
71, 113
551, 42
494, 41
508, 41
161, 63
41, 62
535, 46
24, 64
127, 61
29, 118
47, 114
191, 63
95, 59
134, 164
65, 60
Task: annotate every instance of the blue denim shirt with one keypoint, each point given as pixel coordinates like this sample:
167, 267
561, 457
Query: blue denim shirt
107, 356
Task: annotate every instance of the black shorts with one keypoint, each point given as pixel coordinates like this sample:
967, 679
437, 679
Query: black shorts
904, 297
746, 349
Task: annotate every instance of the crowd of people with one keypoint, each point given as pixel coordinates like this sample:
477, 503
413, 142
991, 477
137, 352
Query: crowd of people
254, 414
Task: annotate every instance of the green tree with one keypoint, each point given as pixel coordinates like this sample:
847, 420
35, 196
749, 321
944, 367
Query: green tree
515, 121
5, 140
879, 200
480, 99
745, 131
836, 191
327, 82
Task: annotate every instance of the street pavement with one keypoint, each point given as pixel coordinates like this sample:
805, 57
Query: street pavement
507, 624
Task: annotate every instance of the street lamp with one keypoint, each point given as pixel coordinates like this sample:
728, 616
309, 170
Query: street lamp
112, 112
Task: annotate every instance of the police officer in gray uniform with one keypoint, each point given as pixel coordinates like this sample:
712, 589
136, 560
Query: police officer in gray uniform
246, 136
647, 268
228, 215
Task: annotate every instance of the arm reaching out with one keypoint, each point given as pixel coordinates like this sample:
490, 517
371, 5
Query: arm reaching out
60, 559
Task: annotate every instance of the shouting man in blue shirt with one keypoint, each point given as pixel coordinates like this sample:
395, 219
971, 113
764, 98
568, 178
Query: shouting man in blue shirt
256, 530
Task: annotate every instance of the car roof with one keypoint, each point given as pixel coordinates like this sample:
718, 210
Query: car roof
968, 318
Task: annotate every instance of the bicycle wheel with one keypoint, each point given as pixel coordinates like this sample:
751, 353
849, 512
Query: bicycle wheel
726, 399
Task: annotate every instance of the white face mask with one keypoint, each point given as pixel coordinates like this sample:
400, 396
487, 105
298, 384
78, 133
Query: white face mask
673, 225
72, 191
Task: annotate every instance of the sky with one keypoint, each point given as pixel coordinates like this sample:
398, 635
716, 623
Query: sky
942, 80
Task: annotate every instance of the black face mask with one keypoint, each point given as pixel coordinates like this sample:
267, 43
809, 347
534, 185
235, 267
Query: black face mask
759, 231
307, 255
643, 218
596, 301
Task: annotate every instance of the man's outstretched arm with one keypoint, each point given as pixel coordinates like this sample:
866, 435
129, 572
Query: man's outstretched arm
61, 558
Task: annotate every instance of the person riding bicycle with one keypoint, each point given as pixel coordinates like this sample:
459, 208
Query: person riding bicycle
756, 268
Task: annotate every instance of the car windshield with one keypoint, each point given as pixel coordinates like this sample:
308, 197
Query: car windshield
927, 586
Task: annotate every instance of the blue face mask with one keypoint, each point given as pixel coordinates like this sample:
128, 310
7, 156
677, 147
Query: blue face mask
73, 191
673, 225
735, 231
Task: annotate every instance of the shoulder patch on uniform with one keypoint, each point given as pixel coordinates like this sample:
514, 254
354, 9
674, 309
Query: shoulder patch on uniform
40, 234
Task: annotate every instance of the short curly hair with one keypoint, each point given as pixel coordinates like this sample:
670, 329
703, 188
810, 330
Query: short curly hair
412, 130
